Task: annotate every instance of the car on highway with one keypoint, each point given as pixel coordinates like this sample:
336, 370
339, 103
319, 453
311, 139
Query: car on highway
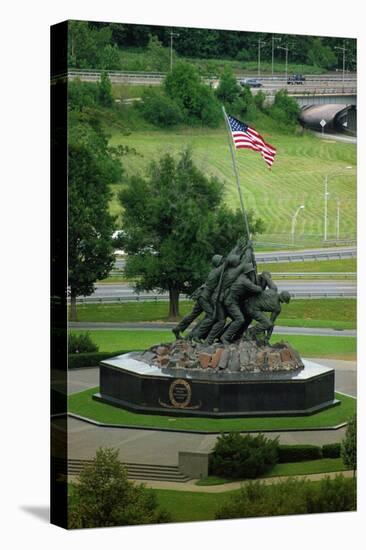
250, 82
296, 79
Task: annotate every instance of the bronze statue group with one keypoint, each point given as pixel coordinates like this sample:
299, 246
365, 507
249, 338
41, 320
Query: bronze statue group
233, 296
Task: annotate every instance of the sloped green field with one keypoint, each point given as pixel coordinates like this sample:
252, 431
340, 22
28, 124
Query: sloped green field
297, 177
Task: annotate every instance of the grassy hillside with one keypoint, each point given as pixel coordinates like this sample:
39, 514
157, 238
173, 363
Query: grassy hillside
297, 176
140, 59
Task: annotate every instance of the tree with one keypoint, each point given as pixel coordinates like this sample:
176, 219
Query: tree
103, 496
173, 222
184, 86
228, 89
321, 55
109, 58
349, 445
285, 109
105, 90
158, 55
90, 246
159, 108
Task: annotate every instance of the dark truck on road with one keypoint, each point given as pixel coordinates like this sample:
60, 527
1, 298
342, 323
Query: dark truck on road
296, 79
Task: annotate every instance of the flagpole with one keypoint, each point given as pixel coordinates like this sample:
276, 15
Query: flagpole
236, 173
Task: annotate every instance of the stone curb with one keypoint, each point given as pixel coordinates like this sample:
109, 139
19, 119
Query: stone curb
200, 432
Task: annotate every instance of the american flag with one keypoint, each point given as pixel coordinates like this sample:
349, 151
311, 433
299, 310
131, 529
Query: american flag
245, 137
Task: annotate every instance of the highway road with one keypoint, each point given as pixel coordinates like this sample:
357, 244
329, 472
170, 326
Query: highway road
330, 83
331, 253
298, 288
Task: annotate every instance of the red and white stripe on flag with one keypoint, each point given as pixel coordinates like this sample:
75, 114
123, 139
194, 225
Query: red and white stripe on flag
245, 137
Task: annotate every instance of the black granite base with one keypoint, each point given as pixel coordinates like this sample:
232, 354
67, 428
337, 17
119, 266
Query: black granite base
139, 387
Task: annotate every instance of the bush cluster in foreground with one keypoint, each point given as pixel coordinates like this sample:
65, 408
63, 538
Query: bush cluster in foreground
255, 499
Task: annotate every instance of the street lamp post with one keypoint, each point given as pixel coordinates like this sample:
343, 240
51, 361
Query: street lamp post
294, 223
171, 48
286, 63
273, 42
343, 49
338, 215
260, 44
326, 195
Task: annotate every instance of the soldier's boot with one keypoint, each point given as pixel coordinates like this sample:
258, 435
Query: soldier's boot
176, 333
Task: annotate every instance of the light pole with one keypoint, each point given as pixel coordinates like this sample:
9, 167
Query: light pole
260, 44
294, 223
286, 63
273, 43
171, 48
338, 215
326, 195
343, 49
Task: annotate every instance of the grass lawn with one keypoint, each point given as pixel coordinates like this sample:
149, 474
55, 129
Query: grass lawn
308, 346
337, 313
83, 405
189, 506
297, 176
323, 465
322, 266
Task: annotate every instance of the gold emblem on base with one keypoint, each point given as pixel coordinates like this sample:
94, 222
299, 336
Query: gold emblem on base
180, 394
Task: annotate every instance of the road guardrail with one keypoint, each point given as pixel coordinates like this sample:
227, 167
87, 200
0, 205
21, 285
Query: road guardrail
298, 294
310, 256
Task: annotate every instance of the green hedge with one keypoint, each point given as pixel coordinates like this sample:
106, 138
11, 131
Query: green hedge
298, 453
237, 456
79, 360
332, 450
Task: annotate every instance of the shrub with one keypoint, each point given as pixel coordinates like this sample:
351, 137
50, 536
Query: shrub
332, 495
81, 343
237, 456
159, 109
104, 497
197, 101
259, 99
82, 95
298, 453
80, 360
105, 90
332, 450
285, 109
244, 105
228, 89
292, 496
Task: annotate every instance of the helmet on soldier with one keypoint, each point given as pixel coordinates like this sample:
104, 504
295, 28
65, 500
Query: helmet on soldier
285, 296
217, 260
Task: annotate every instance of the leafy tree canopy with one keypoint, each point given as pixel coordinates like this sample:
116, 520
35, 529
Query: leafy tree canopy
183, 85
104, 497
174, 221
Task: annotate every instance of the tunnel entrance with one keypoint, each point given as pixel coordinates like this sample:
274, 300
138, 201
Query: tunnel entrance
338, 118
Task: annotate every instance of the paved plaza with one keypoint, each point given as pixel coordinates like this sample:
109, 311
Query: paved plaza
160, 447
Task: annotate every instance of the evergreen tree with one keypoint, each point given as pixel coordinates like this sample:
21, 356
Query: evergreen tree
349, 445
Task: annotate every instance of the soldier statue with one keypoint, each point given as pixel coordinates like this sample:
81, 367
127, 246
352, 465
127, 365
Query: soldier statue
202, 297
255, 308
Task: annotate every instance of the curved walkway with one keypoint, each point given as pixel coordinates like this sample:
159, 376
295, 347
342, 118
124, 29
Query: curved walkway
223, 488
